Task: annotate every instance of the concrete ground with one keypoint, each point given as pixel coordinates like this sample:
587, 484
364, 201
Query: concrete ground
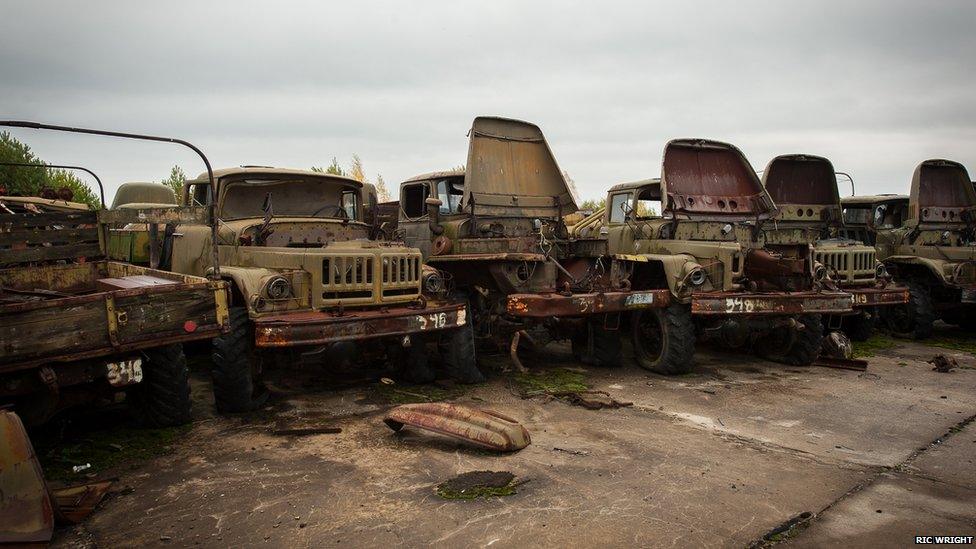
717, 458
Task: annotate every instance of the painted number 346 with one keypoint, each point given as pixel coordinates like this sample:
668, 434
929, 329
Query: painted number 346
432, 321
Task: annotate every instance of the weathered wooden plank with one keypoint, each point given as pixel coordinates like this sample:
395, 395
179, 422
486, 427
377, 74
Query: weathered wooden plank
164, 313
48, 253
194, 215
52, 331
41, 236
15, 221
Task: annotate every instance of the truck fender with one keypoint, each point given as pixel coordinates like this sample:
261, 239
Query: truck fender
673, 266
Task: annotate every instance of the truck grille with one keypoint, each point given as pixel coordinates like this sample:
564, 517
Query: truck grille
849, 265
368, 278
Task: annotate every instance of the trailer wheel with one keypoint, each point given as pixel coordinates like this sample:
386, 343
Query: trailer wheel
458, 354
162, 399
235, 365
664, 339
859, 327
795, 347
913, 320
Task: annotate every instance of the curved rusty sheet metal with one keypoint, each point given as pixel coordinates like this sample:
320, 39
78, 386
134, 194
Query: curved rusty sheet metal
484, 428
511, 171
704, 178
26, 511
801, 179
941, 191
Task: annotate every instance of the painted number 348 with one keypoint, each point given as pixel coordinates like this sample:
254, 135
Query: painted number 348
739, 305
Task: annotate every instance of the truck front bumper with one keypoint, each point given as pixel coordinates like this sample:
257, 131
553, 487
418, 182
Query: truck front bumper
319, 328
557, 305
773, 303
878, 297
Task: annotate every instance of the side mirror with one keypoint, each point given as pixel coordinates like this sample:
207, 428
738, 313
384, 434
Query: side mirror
433, 215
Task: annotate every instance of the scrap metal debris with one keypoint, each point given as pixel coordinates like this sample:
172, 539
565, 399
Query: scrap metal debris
837, 345
594, 400
484, 428
855, 364
478, 484
943, 363
28, 506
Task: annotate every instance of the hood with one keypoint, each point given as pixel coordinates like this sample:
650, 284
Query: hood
800, 179
711, 179
941, 193
511, 172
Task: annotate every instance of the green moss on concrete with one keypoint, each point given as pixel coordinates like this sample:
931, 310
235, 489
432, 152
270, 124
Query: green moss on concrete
873, 345
553, 382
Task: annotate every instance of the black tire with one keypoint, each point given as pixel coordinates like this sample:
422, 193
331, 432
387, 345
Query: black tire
664, 339
597, 346
457, 351
859, 327
416, 367
162, 399
795, 347
235, 364
914, 320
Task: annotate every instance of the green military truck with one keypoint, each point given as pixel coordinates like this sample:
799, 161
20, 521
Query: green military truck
804, 188
496, 230
700, 233
308, 287
76, 327
927, 241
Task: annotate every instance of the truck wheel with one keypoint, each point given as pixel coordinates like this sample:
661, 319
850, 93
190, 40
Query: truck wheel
162, 399
235, 363
606, 349
913, 320
664, 339
415, 364
458, 354
859, 327
799, 348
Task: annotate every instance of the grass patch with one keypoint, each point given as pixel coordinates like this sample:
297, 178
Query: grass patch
477, 492
411, 394
553, 382
104, 449
873, 345
962, 344
478, 484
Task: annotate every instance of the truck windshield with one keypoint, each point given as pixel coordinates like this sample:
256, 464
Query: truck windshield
292, 197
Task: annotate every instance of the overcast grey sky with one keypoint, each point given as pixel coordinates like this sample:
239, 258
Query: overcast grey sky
874, 86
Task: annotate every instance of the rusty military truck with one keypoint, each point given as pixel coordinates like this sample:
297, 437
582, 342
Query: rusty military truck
77, 327
495, 228
927, 241
804, 188
309, 289
700, 233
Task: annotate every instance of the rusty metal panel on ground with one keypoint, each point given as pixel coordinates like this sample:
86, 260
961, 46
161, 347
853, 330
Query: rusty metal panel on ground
26, 512
484, 428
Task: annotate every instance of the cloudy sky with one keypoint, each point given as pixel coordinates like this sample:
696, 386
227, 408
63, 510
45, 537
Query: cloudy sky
874, 86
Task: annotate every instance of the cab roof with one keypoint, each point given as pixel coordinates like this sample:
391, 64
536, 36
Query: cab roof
869, 199
435, 175
268, 170
640, 184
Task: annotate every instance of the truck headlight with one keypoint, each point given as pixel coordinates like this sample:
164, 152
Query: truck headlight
880, 271
433, 282
278, 288
819, 271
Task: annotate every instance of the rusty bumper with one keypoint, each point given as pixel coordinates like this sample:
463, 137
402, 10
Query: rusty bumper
876, 297
735, 303
318, 328
546, 305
